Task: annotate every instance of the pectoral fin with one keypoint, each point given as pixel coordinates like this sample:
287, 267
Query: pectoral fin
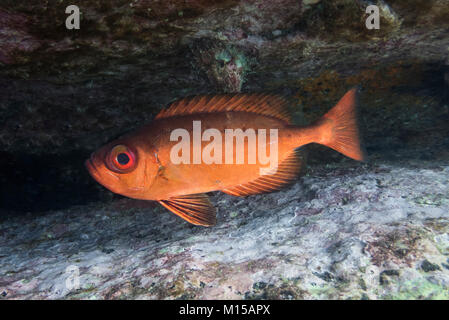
194, 208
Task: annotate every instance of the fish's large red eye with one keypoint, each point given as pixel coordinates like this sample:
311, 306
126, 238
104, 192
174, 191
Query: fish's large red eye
121, 159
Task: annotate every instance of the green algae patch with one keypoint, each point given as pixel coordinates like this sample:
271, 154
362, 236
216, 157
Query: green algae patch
419, 289
432, 200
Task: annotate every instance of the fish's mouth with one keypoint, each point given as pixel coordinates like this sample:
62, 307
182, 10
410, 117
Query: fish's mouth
102, 177
91, 168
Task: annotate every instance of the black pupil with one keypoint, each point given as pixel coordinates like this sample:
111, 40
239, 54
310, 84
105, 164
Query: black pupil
122, 158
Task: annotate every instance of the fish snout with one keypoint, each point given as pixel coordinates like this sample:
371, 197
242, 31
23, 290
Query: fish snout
90, 164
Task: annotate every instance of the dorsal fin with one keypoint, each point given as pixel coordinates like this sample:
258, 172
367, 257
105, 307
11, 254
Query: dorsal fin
264, 104
287, 172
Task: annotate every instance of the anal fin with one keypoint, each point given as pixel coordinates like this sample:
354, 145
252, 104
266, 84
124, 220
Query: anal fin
194, 208
286, 174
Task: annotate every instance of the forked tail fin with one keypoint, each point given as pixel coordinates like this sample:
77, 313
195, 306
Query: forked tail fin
339, 129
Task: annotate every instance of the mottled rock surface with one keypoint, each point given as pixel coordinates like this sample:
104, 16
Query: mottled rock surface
369, 231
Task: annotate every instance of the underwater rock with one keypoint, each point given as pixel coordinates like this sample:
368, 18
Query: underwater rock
226, 67
128, 60
376, 234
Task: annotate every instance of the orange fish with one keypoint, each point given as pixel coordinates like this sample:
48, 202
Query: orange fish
146, 164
